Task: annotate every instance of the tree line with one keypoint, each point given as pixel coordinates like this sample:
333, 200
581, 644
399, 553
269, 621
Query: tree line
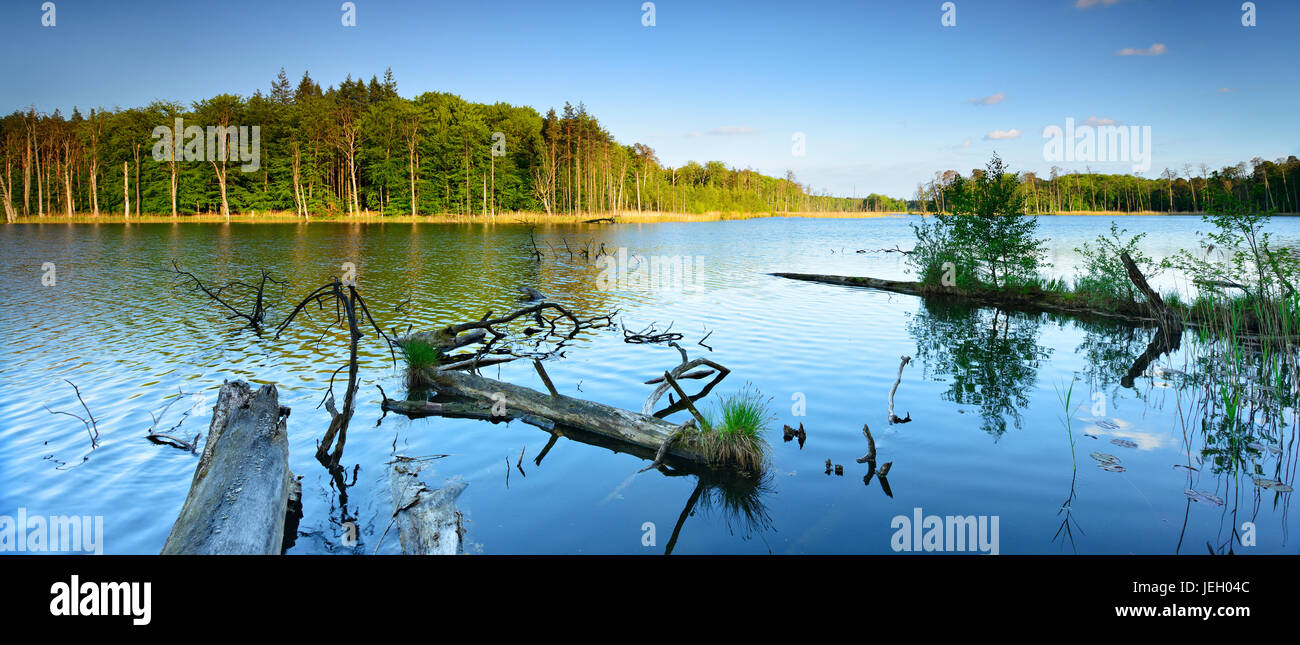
362, 148
1263, 184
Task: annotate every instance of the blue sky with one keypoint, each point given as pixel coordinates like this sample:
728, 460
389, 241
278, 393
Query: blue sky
884, 95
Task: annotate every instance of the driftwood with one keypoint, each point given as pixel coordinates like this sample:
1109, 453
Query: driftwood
1161, 312
241, 493
1027, 301
257, 310
871, 446
663, 448
473, 396
530, 294
893, 418
1169, 334
676, 372
92, 426
800, 434
697, 374
427, 520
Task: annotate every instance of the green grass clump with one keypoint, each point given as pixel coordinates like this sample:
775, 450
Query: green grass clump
736, 427
419, 354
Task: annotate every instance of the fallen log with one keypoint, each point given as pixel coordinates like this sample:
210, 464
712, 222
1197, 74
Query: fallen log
1168, 320
1168, 336
427, 520
1029, 300
240, 496
475, 395
444, 339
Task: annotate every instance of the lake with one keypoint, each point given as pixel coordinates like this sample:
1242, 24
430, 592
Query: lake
988, 437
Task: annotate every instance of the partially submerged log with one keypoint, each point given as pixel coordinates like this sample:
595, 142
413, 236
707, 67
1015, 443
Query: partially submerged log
1168, 337
427, 520
1166, 317
241, 493
476, 395
1030, 300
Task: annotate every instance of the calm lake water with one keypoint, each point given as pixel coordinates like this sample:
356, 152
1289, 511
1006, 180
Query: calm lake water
988, 436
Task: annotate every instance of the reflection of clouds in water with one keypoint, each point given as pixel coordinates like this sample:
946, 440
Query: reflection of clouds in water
1124, 430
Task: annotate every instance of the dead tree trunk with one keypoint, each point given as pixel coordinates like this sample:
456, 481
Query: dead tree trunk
1165, 316
240, 497
478, 394
427, 520
1169, 334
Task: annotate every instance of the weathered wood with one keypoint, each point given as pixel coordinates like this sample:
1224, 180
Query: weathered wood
240, 494
690, 405
427, 520
871, 446
1032, 300
663, 387
892, 417
546, 378
1166, 317
624, 426
697, 374
443, 339
530, 294
475, 362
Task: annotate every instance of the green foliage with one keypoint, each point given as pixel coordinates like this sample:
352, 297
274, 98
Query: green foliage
986, 234
1103, 276
736, 430
419, 354
1241, 277
362, 148
1262, 182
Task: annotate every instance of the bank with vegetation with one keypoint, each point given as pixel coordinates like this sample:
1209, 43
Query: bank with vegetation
359, 148
985, 249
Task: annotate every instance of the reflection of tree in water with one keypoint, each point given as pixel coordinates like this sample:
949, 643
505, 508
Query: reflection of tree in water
738, 499
1109, 349
1238, 414
992, 356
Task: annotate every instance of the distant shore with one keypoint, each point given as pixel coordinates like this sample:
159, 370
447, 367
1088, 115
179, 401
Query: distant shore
279, 217
644, 217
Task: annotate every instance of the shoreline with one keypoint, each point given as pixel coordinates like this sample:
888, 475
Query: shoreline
500, 218
517, 217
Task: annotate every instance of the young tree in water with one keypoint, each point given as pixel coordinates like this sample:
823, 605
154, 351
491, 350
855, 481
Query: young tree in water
986, 232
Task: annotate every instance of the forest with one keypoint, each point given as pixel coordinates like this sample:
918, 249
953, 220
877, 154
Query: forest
361, 148
1263, 184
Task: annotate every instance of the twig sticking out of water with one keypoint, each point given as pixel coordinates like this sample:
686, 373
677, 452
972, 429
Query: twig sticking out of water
892, 418
254, 317
167, 438
92, 427
651, 335
871, 446
663, 448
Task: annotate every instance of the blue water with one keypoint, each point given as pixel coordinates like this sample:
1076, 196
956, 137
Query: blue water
988, 435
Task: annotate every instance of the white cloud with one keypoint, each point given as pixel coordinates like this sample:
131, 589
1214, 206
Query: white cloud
1225, 90
992, 99
1002, 134
692, 134
1154, 50
1094, 121
966, 143
1086, 4
733, 129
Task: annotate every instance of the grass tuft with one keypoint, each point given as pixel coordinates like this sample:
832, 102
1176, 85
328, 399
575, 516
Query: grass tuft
737, 425
419, 354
